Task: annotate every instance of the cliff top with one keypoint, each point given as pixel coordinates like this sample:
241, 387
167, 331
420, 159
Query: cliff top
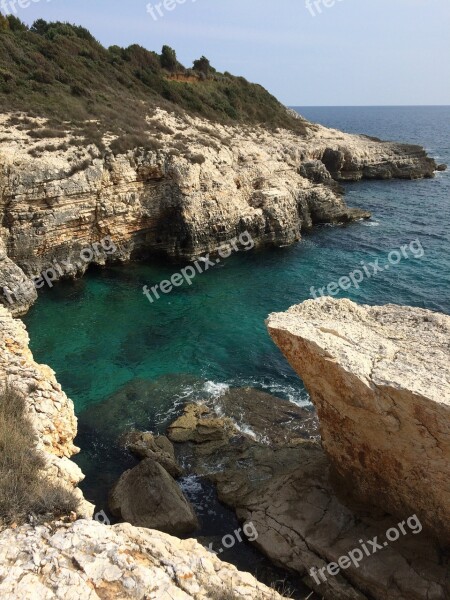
61, 71
400, 346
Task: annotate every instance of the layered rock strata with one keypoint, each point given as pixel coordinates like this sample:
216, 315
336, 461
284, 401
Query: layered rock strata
379, 378
205, 184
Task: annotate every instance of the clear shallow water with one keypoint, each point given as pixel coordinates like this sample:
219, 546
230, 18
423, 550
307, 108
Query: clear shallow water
100, 333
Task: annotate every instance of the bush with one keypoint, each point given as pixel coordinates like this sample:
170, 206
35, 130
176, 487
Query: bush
168, 58
196, 159
46, 133
202, 65
24, 492
124, 143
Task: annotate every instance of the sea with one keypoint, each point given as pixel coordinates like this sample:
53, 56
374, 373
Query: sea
106, 341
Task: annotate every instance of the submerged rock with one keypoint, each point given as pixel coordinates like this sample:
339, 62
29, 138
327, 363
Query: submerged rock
147, 496
267, 418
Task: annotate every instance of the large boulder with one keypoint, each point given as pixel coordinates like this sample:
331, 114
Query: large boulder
379, 378
157, 447
147, 496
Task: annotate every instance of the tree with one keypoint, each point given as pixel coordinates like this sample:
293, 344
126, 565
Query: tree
4, 23
168, 58
202, 65
16, 24
40, 27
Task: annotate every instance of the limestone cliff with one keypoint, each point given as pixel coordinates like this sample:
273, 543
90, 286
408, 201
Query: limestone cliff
89, 561
201, 185
380, 381
50, 411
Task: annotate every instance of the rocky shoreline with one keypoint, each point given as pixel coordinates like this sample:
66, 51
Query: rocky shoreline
374, 391
205, 184
300, 492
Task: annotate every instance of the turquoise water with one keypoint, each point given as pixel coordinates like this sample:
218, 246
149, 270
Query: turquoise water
100, 333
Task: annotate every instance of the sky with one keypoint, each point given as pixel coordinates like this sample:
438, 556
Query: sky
335, 53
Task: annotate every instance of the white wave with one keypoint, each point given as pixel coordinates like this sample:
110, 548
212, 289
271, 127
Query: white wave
246, 430
371, 224
191, 485
215, 390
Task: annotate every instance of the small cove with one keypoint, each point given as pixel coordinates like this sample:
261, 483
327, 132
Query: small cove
107, 343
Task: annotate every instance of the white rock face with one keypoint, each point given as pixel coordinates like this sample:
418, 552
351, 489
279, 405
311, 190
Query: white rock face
379, 377
206, 184
50, 411
89, 561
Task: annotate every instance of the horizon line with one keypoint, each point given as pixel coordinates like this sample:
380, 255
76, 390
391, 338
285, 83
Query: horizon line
368, 105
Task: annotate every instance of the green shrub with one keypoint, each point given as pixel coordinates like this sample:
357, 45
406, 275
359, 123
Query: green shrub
59, 70
46, 133
124, 143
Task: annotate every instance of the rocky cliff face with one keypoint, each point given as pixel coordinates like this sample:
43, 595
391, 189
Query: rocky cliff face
89, 561
203, 185
379, 379
50, 411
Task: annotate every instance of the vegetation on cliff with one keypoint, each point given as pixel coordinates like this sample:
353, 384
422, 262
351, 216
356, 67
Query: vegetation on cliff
59, 70
24, 492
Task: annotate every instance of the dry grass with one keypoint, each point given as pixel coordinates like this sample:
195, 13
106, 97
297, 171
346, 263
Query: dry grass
24, 493
228, 593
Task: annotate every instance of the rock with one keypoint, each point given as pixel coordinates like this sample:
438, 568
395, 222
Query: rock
89, 561
17, 292
49, 410
273, 185
287, 491
158, 448
196, 425
147, 496
316, 171
442, 167
303, 524
266, 418
383, 402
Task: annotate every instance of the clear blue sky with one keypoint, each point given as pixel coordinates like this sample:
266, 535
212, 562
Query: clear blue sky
357, 52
